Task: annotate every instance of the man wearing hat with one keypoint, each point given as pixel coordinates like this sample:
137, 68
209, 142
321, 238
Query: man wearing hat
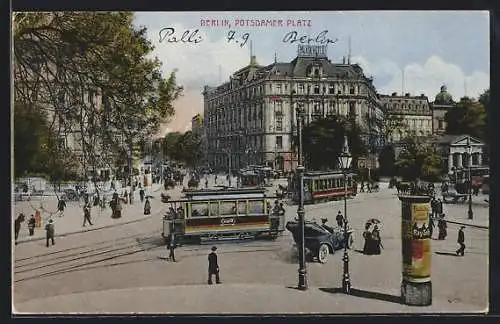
49, 231
461, 241
213, 266
340, 219
323, 224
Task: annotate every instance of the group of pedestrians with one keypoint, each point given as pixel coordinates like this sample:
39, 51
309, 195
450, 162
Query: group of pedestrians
373, 240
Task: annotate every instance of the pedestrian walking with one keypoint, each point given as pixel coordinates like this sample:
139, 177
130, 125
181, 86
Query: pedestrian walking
439, 206
147, 207
215, 179
377, 240
340, 219
172, 245
49, 232
442, 228
86, 214
17, 225
213, 266
141, 194
433, 207
31, 225
131, 196
38, 219
206, 182
461, 241
431, 225
367, 235
61, 205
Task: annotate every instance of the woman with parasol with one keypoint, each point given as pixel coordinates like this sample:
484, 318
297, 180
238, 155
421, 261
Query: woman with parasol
372, 237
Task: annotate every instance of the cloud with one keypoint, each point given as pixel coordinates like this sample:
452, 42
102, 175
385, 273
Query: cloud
207, 63
426, 77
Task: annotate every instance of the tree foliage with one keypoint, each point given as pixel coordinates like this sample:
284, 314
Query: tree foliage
468, 117
323, 139
92, 72
183, 147
419, 160
35, 144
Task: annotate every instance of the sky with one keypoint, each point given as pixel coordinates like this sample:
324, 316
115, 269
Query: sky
431, 47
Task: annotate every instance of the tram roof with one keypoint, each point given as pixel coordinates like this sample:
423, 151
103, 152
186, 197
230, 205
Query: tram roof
224, 191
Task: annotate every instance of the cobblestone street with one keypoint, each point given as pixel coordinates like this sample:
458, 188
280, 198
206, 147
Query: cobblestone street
130, 256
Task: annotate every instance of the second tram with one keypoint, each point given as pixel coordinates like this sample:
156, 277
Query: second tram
324, 186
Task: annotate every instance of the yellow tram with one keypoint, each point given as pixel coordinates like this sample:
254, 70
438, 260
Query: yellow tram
223, 214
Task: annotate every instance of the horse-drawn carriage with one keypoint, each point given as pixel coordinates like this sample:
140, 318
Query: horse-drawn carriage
457, 194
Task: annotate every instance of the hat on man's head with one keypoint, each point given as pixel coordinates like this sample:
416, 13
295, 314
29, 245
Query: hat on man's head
462, 226
51, 221
214, 248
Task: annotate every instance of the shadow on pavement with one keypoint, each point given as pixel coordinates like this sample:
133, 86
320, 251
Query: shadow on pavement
366, 294
447, 253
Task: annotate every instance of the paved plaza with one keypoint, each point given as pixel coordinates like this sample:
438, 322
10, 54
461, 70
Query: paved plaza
121, 268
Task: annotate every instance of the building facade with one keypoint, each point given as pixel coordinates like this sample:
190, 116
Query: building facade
198, 129
252, 118
456, 153
440, 106
411, 115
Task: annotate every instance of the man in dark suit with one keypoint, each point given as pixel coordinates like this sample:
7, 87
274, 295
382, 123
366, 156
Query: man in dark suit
172, 244
50, 232
213, 266
461, 241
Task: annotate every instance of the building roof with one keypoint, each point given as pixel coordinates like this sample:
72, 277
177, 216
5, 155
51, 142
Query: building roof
455, 139
443, 97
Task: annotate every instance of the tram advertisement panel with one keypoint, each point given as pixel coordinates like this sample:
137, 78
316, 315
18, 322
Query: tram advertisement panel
416, 241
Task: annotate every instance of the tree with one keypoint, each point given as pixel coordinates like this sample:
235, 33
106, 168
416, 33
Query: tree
387, 159
467, 117
323, 140
189, 148
63, 60
419, 160
170, 147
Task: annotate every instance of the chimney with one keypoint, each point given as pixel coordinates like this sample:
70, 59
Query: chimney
407, 95
394, 94
422, 95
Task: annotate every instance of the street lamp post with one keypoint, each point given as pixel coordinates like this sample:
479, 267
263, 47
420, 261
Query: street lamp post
345, 160
300, 210
469, 151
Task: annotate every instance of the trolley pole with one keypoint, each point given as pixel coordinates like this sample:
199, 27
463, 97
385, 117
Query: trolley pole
301, 211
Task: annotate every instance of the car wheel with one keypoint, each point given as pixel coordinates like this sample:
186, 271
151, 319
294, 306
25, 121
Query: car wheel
323, 253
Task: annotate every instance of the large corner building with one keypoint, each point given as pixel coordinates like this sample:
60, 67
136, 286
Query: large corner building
252, 118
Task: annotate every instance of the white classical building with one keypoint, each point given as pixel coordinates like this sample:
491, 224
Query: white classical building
251, 119
460, 151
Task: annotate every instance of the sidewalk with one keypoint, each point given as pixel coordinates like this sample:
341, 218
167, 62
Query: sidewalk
234, 299
72, 220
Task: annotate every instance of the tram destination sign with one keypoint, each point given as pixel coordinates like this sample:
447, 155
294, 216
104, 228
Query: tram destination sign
312, 50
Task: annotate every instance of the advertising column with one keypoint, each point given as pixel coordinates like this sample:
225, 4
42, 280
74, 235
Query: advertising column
416, 285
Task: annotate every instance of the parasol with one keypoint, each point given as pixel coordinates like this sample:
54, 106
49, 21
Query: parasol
373, 221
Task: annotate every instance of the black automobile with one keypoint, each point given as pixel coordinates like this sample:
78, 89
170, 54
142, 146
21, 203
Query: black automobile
320, 241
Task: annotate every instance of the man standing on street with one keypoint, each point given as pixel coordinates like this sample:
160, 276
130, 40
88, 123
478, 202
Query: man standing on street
461, 241
340, 219
172, 244
213, 266
60, 207
17, 225
49, 232
86, 214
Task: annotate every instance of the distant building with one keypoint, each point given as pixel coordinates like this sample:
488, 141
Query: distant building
252, 118
442, 103
198, 129
413, 111
455, 153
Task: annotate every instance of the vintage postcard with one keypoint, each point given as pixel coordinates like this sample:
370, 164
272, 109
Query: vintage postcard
250, 162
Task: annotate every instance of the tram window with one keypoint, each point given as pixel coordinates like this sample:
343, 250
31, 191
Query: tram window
227, 208
242, 207
214, 209
199, 209
256, 207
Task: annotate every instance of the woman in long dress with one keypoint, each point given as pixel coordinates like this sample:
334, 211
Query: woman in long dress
367, 235
377, 241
